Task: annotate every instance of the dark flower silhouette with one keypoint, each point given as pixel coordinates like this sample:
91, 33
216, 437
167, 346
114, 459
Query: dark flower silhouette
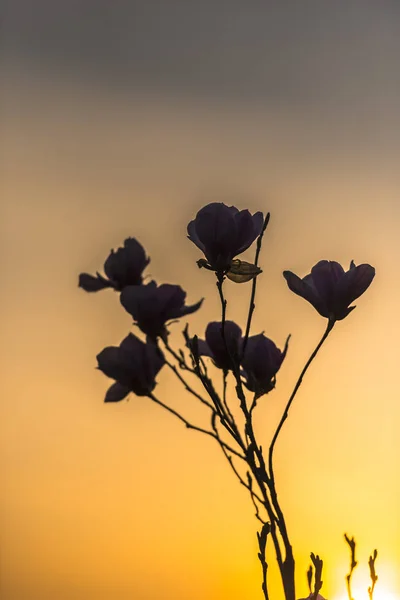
152, 306
123, 267
222, 232
261, 362
134, 366
330, 289
222, 352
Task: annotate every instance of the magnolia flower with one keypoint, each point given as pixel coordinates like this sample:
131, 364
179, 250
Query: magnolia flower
221, 351
152, 306
330, 289
134, 366
261, 362
222, 232
311, 597
123, 267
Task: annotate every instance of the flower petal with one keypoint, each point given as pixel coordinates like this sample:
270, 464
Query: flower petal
224, 351
261, 362
154, 362
126, 265
115, 364
326, 275
193, 237
306, 289
204, 349
141, 301
171, 299
116, 392
354, 283
249, 228
89, 283
188, 310
216, 229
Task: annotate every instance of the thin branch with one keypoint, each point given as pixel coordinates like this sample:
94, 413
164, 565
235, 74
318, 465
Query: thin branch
262, 544
353, 563
187, 386
179, 358
254, 285
372, 574
286, 566
201, 372
309, 578
289, 559
318, 564
234, 469
195, 427
224, 400
266, 504
296, 387
224, 417
253, 497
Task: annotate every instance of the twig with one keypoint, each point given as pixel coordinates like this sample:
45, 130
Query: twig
254, 286
262, 543
195, 427
372, 574
187, 386
179, 358
224, 400
248, 487
208, 386
353, 563
296, 387
309, 578
318, 564
253, 450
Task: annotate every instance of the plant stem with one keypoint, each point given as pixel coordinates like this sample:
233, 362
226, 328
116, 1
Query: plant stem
293, 394
195, 427
254, 285
353, 563
253, 452
187, 386
288, 568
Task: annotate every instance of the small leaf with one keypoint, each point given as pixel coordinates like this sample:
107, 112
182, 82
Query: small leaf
241, 271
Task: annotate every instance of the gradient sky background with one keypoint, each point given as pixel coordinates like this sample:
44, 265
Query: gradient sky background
122, 119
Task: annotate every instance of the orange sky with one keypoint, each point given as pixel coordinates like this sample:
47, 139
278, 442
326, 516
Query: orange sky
114, 502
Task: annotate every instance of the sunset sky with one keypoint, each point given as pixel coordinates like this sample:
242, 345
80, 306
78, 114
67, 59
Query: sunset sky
122, 119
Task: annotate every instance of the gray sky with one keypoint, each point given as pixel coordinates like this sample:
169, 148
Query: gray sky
313, 55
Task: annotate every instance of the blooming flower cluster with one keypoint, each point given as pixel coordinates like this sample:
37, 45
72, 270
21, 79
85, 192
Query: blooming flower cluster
260, 361
221, 233
134, 364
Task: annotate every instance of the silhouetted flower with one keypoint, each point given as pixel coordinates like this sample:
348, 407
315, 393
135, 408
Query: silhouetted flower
134, 366
330, 289
123, 267
261, 362
152, 306
222, 352
222, 232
